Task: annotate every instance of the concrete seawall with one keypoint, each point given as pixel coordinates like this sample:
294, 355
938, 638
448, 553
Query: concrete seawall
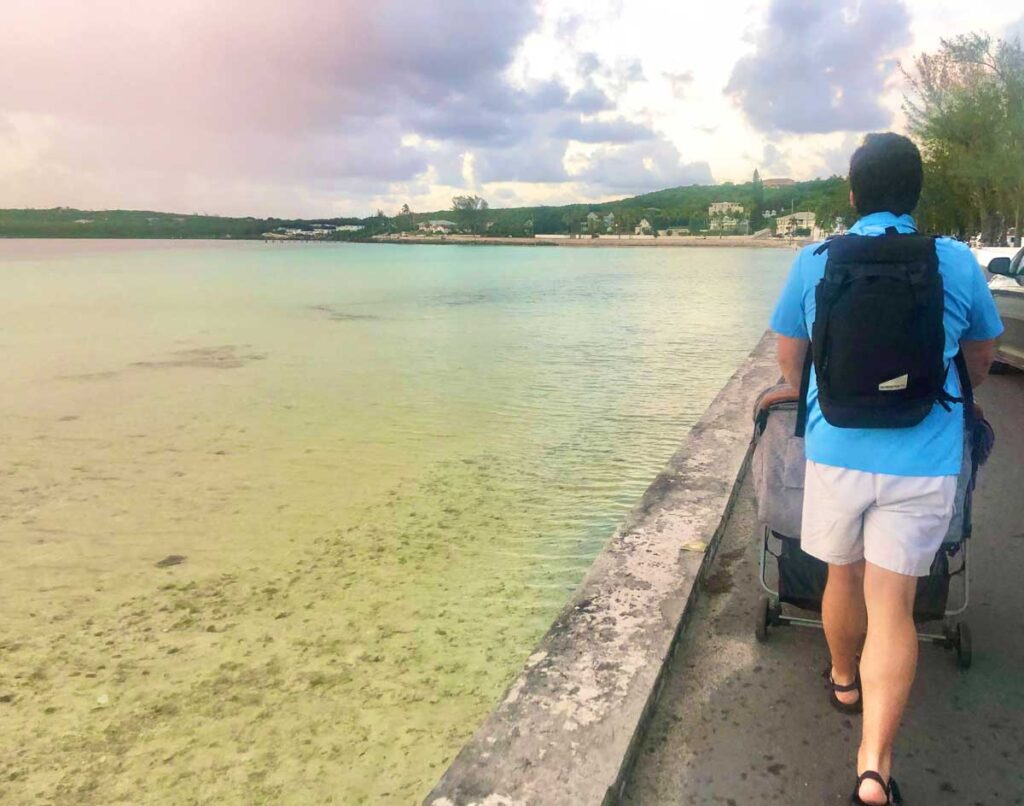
568, 727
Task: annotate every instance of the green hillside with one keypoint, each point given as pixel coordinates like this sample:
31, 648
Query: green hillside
65, 222
676, 207
673, 207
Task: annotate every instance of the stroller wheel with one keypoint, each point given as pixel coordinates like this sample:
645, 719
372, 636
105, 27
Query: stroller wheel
963, 646
762, 618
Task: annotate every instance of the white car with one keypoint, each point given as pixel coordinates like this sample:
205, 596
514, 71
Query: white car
1007, 276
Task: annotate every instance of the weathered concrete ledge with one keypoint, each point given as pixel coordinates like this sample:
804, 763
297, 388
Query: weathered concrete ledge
566, 730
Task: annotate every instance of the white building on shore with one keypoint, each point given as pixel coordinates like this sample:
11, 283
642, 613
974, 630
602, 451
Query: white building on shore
724, 215
724, 222
438, 226
787, 225
826, 229
724, 208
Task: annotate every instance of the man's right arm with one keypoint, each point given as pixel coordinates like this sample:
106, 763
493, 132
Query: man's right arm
978, 342
978, 356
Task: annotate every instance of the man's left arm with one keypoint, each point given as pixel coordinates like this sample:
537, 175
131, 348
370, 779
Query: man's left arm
792, 353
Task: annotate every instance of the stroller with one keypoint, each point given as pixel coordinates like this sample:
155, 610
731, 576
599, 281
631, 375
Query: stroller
777, 469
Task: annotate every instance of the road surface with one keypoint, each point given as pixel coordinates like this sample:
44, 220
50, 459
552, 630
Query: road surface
742, 723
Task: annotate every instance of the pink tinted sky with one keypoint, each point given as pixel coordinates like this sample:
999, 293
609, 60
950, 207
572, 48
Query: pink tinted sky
305, 107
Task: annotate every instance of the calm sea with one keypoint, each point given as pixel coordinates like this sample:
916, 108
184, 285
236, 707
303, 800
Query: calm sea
280, 522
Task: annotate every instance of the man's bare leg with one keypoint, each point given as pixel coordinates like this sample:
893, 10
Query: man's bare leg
845, 619
887, 669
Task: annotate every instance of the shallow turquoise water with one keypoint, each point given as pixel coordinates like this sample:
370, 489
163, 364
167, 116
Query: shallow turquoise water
418, 449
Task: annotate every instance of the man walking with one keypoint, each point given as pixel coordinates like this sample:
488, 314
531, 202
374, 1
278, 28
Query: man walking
884, 312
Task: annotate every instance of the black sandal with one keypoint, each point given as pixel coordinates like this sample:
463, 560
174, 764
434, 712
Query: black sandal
855, 707
892, 792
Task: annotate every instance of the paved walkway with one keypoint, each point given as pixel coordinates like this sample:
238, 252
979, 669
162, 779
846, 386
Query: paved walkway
746, 723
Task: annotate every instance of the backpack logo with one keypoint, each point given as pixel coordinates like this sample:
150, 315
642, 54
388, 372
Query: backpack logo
895, 385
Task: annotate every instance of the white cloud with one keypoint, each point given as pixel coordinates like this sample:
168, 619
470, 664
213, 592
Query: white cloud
822, 67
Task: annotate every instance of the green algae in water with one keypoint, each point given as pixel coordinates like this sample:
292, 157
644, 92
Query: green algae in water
387, 468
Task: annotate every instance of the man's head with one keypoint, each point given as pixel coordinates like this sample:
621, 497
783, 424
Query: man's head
885, 175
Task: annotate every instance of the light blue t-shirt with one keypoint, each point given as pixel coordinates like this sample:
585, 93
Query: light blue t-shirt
933, 447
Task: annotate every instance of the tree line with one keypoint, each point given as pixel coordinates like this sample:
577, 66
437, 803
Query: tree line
966, 110
67, 222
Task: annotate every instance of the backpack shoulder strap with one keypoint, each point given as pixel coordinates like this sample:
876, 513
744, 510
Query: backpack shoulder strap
966, 389
826, 244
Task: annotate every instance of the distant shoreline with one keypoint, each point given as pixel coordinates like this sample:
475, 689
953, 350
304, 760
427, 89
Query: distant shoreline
661, 242
664, 241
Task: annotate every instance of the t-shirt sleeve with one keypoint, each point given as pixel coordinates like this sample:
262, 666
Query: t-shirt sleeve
983, 321
788, 317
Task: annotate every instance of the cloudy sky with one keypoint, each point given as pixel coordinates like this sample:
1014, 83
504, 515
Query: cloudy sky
337, 107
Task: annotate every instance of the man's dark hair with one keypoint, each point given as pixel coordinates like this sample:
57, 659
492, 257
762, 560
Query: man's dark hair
886, 174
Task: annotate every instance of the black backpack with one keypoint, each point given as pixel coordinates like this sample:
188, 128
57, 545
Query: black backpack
878, 337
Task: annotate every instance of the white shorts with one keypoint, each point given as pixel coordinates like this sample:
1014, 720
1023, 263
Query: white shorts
895, 522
